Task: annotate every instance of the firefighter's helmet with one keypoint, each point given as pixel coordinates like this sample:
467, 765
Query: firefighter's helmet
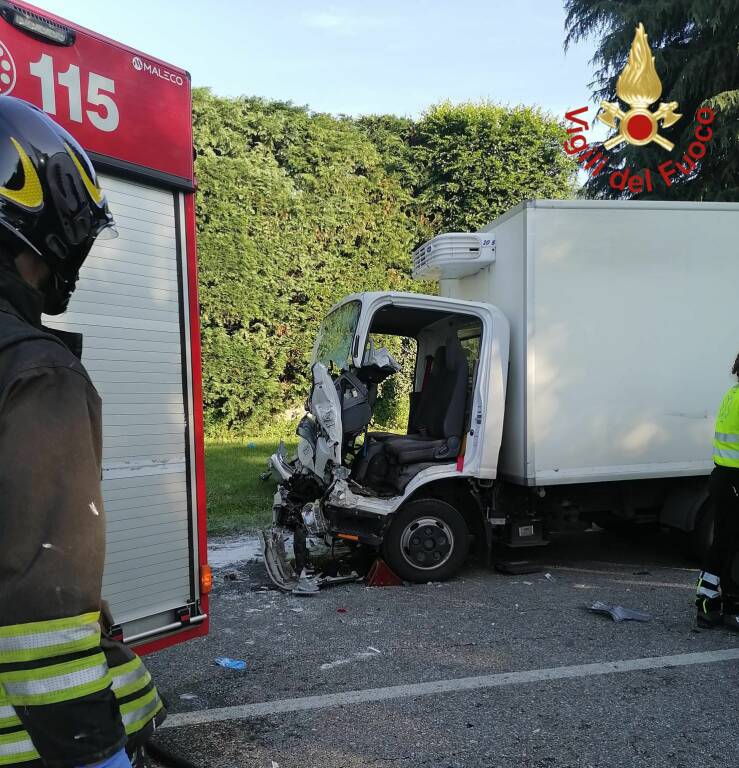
50, 200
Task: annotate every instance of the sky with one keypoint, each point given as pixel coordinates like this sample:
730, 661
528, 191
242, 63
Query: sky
355, 57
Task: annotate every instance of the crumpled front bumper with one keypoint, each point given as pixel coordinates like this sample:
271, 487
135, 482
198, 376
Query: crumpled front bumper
282, 573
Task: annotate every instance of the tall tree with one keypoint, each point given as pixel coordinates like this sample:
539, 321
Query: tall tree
478, 160
696, 48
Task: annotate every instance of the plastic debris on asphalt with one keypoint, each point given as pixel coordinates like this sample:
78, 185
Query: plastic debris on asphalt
188, 696
619, 613
370, 653
307, 585
226, 663
549, 577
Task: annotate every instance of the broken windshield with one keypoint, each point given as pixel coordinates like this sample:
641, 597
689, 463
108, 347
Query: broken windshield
334, 342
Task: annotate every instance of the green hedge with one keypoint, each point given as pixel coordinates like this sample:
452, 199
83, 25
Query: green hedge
296, 210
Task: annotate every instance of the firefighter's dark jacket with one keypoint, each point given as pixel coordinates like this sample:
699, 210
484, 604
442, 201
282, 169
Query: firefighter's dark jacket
68, 696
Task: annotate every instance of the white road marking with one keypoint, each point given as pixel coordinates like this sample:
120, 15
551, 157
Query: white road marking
627, 566
636, 582
364, 696
601, 572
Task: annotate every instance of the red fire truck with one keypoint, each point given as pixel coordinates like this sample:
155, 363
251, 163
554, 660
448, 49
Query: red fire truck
136, 304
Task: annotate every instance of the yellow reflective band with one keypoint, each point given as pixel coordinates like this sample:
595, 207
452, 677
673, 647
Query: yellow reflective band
17, 748
139, 713
725, 457
37, 627
97, 195
30, 195
129, 678
125, 669
8, 718
48, 644
59, 682
6, 711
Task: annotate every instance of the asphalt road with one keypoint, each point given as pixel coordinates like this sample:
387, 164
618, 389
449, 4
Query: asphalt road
553, 712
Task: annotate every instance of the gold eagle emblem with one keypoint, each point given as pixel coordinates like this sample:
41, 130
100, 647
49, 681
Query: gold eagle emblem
639, 86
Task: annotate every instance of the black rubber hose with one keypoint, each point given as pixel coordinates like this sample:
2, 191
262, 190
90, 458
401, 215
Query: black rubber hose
167, 758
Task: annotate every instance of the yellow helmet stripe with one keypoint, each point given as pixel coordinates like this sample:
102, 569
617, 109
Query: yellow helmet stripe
97, 194
30, 195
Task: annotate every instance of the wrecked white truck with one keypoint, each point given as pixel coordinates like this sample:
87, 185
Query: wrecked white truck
567, 374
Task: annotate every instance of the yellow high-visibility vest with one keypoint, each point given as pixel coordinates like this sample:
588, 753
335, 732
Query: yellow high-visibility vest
726, 439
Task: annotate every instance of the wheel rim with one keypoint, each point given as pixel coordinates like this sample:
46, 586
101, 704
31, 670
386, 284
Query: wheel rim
427, 543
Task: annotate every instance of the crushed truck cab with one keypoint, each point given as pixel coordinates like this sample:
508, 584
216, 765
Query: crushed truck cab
620, 321
347, 482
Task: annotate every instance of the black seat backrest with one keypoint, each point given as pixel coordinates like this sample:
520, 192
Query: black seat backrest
440, 411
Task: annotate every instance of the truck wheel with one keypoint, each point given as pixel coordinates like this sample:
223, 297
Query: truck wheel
427, 541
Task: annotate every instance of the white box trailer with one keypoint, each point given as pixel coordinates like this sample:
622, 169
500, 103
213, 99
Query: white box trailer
623, 329
568, 373
136, 306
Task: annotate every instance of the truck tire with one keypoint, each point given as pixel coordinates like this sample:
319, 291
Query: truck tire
427, 541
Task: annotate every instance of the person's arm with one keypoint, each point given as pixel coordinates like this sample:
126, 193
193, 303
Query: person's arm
52, 541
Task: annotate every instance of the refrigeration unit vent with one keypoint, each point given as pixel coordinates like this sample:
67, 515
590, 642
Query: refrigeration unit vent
456, 254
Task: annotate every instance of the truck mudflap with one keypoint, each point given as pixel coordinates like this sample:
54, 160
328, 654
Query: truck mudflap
283, 574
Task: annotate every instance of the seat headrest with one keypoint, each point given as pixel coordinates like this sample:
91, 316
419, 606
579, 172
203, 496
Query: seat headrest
440, 360
455, 356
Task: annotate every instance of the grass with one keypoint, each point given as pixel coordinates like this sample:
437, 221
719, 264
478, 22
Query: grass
237, 499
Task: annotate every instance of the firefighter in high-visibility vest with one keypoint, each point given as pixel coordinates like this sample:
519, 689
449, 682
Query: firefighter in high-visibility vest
717, 598
69, 697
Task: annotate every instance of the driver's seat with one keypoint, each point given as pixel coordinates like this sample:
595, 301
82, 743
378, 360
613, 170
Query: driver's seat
439, 418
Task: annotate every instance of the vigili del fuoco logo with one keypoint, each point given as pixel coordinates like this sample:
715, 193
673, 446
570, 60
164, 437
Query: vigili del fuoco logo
639, 87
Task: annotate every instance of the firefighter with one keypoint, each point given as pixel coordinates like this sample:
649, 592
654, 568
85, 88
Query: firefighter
69, 696
717, 597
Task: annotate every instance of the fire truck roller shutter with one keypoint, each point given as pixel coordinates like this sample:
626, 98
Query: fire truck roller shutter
130, 306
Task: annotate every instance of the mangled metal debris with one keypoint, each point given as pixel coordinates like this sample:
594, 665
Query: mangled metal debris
283, 573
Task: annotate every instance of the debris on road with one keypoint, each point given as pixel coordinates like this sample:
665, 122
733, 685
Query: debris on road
619, 613
284, 576
188, 696
342, 610
549, 577
370, 653
381, 575
226, 663
307, 585
517, 567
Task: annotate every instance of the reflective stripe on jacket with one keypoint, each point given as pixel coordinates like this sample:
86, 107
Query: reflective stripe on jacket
138, 700
726, 438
